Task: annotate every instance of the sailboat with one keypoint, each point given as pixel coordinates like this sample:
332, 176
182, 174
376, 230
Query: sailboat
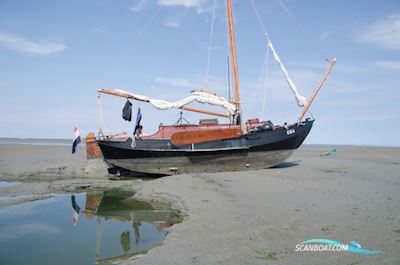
210, 146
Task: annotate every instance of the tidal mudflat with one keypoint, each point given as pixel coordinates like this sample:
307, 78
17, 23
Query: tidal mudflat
252, 217
258, 217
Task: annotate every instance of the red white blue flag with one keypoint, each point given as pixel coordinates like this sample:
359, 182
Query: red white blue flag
75, 210
138, 119
77, 139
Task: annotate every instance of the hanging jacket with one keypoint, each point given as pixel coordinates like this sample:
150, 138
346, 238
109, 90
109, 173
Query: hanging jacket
127, 111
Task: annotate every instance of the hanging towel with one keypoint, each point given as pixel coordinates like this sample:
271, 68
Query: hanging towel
127, 111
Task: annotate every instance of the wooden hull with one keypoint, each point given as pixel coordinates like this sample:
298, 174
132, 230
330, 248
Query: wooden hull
256, 150
205, 163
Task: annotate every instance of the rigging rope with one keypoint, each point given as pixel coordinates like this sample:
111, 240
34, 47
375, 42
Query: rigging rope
99, 235
209, 45
100, 119
312, 116
266, 58
308, 36
263, 28
144, 29
261, 74
301, 101
265, 83
99, 111
378, 154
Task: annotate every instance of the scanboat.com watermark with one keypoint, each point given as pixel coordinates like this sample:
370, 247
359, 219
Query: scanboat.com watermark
326, 245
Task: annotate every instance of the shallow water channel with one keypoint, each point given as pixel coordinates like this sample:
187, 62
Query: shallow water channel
86, 228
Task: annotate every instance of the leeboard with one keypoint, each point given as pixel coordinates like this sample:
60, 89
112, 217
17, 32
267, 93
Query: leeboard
193, 137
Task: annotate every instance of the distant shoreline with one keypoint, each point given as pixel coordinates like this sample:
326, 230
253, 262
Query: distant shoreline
61, 141
37, 141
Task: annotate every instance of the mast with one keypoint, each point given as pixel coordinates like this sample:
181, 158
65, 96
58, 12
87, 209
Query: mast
307, 106
234, 62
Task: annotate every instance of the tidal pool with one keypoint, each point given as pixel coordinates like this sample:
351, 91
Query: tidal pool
4, 184
86, 228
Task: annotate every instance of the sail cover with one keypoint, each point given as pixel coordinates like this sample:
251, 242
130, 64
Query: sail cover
200, 96
301, 101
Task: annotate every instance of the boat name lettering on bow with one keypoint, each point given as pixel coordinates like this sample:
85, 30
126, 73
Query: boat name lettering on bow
290, 131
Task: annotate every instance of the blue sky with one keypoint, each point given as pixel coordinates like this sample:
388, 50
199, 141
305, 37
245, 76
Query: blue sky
55, 54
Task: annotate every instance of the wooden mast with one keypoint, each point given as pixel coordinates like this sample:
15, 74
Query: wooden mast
234, 61
307, 106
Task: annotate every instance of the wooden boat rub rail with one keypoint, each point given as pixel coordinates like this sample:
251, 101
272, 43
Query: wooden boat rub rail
191, 150
197, 150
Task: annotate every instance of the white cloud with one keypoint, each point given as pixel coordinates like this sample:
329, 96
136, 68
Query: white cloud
19, 231
390, 65
172, 22
175, 21
178, 81
215, 83
24, 45
201, 6
185, 3
99, 30
23, 210
139, 6
384, 33
325, 35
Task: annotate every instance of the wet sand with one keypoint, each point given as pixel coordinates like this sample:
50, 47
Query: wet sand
252, 217
41, 169
258, 217
41, 162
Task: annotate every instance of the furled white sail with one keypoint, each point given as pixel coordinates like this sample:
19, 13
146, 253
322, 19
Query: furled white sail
135, 96
200, 96
301, 101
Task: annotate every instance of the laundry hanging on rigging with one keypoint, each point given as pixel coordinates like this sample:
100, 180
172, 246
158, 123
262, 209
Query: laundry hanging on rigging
201, 96
127, 111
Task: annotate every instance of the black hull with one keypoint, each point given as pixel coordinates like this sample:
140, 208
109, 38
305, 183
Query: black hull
256, 150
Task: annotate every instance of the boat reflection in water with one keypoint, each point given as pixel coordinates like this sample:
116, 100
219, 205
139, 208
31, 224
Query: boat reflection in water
118, 206
106, 228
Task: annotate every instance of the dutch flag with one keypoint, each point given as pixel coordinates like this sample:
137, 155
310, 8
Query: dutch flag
75, 210
77, 139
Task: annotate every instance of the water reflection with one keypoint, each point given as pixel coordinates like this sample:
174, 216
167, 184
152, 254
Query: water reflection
119, 205
106, 227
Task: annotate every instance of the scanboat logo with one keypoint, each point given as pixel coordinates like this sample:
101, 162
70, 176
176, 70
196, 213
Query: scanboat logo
321, 245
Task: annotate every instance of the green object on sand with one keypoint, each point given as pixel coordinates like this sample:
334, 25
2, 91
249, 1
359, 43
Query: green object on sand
328, 152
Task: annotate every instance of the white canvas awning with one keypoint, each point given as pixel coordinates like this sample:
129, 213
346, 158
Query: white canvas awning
200, 96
